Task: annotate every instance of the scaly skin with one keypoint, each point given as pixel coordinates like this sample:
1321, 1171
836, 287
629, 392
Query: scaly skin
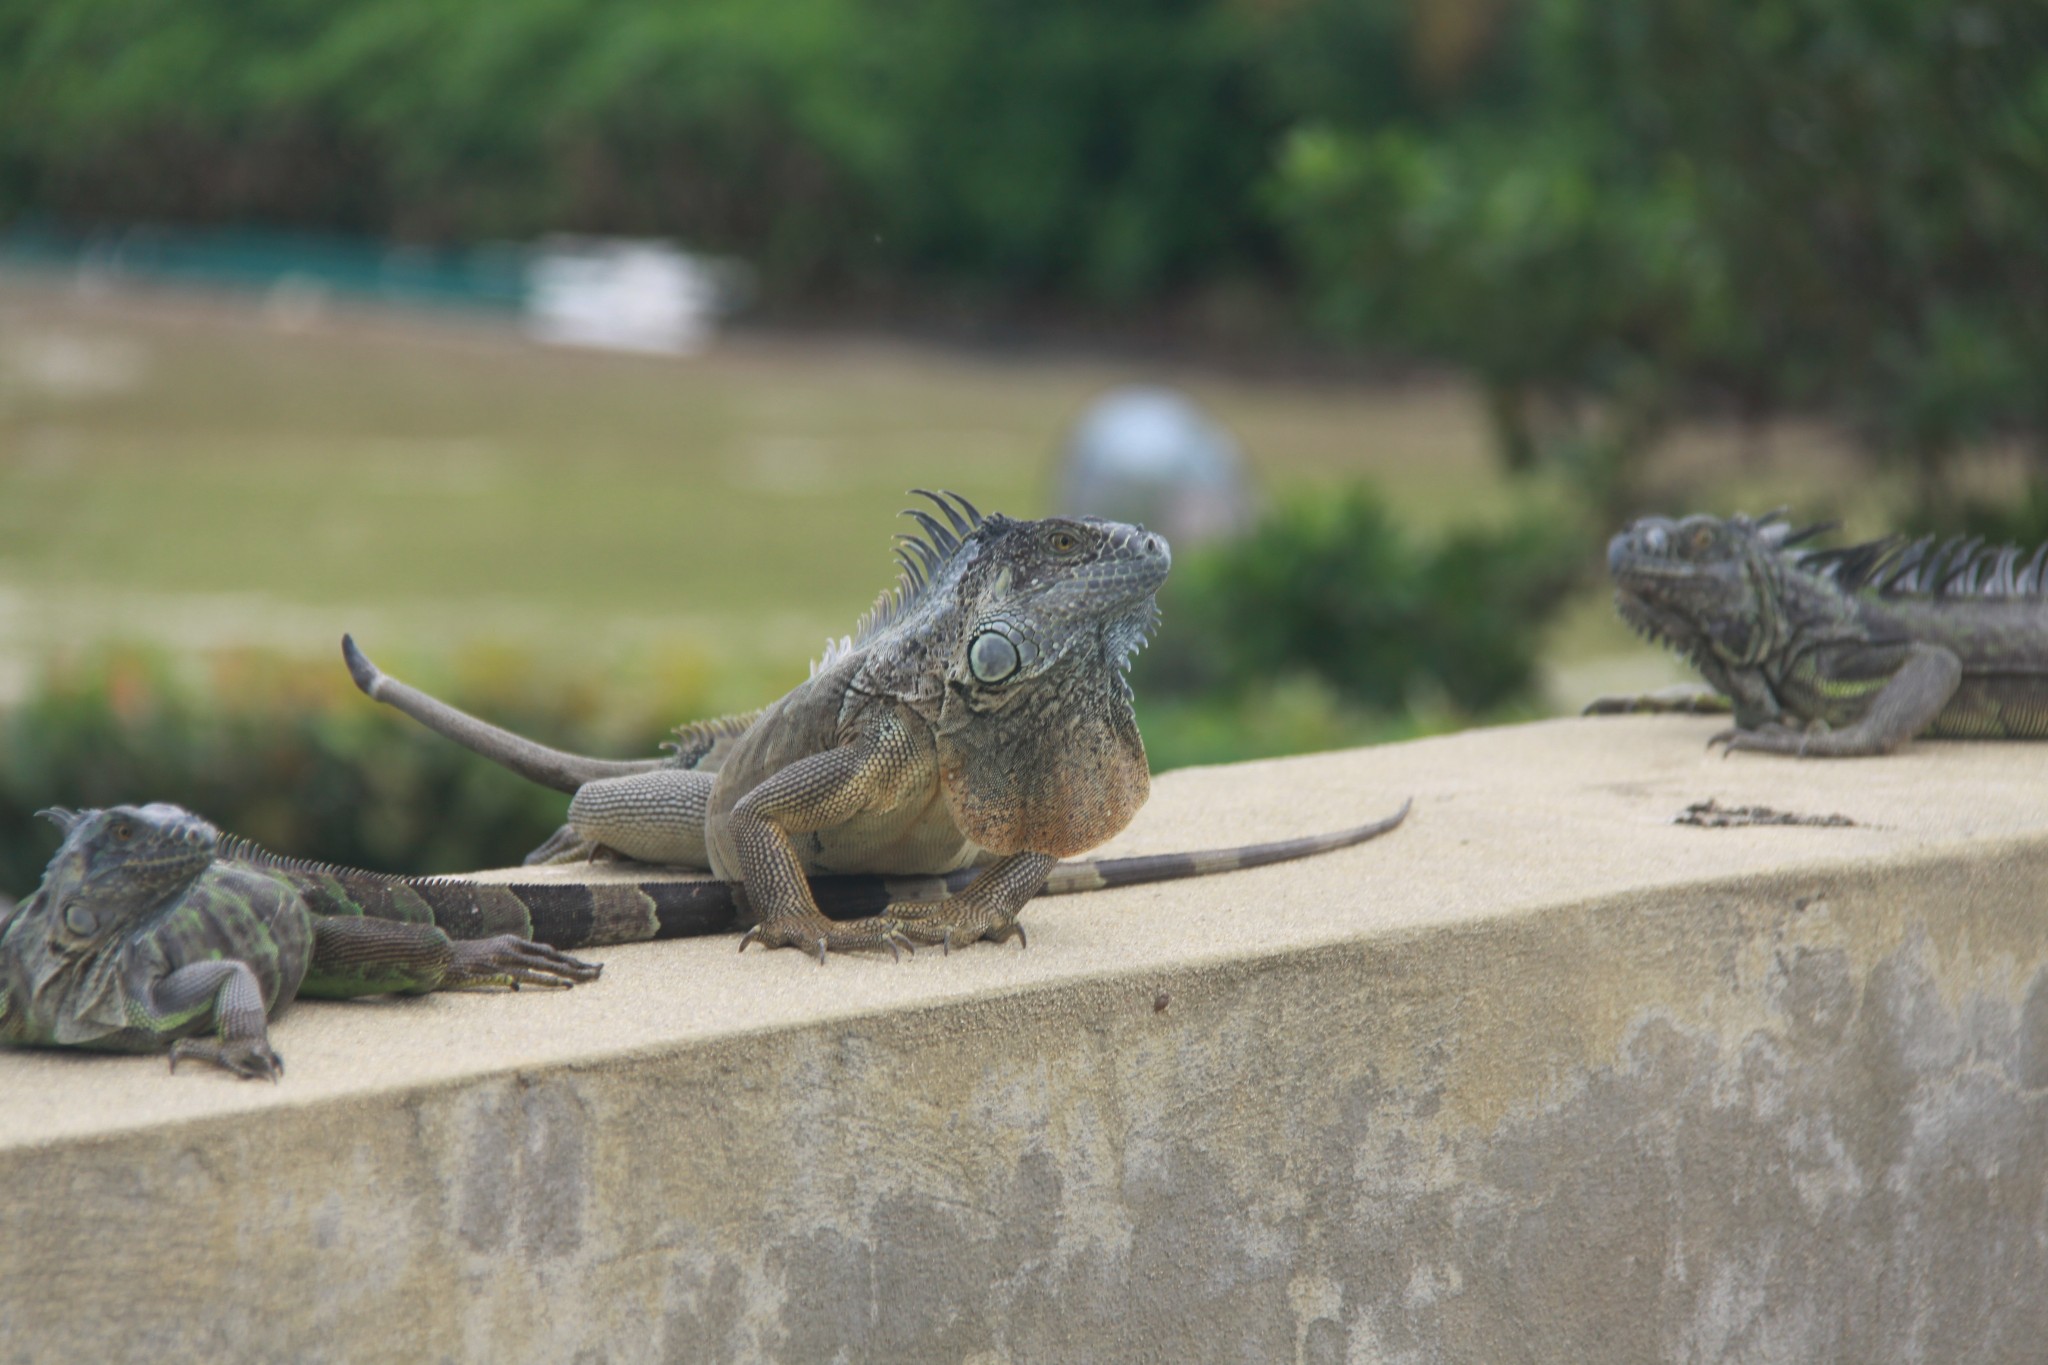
1843, 652
151, 932
977, 723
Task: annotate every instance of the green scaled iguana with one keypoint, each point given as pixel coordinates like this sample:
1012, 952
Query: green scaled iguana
1840, 652
151, 930
976, 727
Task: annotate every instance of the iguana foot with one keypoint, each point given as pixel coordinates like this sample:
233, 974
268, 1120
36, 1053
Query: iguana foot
956, 922
249, 1058
1768, 738
816, 934
515, 962
565, 845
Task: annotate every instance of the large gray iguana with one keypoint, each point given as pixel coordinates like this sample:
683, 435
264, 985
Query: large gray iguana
977, 726
151, 930
1839, 652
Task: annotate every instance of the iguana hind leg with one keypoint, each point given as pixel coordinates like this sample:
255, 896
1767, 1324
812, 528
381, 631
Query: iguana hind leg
655, 817
986, 908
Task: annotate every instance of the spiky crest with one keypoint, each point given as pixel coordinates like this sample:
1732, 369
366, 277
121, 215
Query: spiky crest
921, 558
235, 848
1928, 567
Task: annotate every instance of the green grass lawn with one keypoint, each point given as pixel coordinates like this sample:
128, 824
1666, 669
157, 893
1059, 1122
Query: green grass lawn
179, 469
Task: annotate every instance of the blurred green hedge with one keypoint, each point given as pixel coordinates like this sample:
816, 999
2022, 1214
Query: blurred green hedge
285, 752
1331, 623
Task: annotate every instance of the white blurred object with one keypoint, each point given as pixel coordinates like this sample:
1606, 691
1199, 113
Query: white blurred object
1148, 454
625, 295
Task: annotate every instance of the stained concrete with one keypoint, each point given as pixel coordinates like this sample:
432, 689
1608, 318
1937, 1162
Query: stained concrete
1541, 1076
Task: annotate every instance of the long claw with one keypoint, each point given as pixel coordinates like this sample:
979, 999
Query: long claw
752, 935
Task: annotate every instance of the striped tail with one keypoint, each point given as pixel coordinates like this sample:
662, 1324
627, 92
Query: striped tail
586, 915
1095, 874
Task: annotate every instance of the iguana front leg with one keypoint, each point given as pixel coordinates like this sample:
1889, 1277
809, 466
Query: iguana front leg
359, 956
1902, 708
229, 992
815, 793
986, 908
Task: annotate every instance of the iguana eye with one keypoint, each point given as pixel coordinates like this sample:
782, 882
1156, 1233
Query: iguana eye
1063, 542
992, 657
124, 832
1703, 537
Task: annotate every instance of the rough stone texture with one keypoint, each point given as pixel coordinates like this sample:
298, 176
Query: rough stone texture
1540, 1077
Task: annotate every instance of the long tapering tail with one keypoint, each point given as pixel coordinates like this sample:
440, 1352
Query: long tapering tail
564, 772
594, 914
1094, 874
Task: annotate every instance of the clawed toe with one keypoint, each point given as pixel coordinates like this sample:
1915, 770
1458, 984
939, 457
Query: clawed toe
826, 938
515, 962
249, 1058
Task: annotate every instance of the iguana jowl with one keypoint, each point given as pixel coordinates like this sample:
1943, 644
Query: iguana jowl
150, 931
1841, 652
977, 726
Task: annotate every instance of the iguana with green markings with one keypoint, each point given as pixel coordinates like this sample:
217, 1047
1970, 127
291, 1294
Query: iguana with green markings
977, 726
1839, 652
151, 930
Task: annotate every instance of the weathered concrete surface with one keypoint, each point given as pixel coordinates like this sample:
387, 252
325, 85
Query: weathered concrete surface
1539, 1077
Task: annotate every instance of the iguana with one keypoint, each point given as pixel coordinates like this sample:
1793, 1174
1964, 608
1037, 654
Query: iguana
151, 929
1846, 651
977, 725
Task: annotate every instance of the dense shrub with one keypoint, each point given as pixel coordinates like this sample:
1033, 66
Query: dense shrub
1334, 589
290, 756
1820, 204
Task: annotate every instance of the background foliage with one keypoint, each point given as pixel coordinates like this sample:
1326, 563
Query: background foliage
1610, 214
281, 752
1615, 218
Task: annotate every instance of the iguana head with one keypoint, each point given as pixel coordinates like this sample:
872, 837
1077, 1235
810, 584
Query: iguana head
989, 605
117, 865
1709, 587
1010, 638
1041, 596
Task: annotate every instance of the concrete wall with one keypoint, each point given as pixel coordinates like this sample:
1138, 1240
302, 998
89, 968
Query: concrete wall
1540, 1077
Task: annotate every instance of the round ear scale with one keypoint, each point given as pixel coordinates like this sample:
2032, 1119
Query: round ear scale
63, 817
992, 657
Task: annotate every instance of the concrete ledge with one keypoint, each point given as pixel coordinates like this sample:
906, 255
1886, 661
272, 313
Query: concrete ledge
1541, 1076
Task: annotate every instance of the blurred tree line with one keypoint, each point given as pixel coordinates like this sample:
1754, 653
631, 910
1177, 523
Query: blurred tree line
1613, 215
